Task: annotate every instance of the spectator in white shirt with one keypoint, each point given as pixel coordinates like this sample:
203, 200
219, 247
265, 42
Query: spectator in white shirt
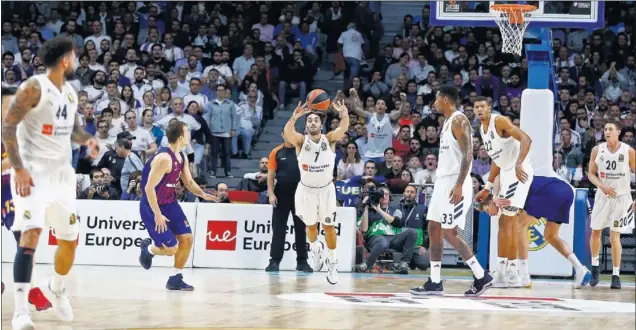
248, 117
243, 64
171, 52
140, 87
112, 94
225, 72
351, 42
113, 129
97, 35
96, 91
195, 95
144, 143
105, 140
351, 163
93, 56
128, 70
176, 89
178, 112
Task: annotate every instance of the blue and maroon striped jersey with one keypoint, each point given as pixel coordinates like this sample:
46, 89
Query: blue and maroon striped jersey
165, 190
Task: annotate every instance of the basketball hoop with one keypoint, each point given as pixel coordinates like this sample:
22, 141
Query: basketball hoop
512, 21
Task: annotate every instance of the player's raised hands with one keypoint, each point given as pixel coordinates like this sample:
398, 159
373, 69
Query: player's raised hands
161, 223
521, 174
340, 107
301, 110
23, 182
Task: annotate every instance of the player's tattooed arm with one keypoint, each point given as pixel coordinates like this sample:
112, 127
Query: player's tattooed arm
462, 133
26, 98
504, 124
79, 135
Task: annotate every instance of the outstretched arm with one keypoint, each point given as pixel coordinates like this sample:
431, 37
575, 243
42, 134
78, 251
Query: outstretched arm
289, 132
193, 187
337, 134
26, 98
504, 124
461, 132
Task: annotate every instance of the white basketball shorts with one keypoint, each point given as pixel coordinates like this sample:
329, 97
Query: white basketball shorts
51, 203
615, 213
441, 210
514, 190
315, 205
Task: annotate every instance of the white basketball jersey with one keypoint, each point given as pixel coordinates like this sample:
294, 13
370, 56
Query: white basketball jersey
44, 135
613, 168
450, 155
316, 162
380, 136
503, 151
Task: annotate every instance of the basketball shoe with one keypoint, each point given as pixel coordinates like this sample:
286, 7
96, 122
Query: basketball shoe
332, 272
317, 256
596, 273
429, 288
37, 299
513, 279
22, 321
480, 285
60, 301
526, 281
500, 281
582, 277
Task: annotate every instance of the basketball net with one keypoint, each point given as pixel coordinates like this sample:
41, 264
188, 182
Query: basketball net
512, 21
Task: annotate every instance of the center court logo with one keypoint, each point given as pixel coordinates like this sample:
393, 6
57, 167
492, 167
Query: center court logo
221, 235
535, 234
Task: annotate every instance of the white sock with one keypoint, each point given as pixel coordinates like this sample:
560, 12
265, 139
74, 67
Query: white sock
512, 265
595, 261
574, 261
178, 271
314, 246
150, 249
523, 267
616, 271
436, 271
21, 297
475, 267
332, 256
57, 283
502, 263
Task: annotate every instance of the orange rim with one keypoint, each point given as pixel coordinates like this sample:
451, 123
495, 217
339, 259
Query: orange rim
515, 12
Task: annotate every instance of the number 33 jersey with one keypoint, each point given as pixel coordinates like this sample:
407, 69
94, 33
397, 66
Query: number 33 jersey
613, 168
44, 135
316, 162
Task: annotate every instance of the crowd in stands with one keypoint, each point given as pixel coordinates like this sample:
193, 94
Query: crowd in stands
224, 68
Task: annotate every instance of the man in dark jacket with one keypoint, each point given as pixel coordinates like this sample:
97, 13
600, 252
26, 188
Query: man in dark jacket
411, 215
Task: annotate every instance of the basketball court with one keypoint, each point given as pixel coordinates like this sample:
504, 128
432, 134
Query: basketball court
129, 297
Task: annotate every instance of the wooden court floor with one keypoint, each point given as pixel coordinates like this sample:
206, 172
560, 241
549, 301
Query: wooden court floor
133, 298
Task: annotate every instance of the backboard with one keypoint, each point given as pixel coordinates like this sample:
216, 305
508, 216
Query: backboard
550, 14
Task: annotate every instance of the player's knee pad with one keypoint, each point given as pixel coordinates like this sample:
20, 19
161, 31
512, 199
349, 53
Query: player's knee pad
510, 211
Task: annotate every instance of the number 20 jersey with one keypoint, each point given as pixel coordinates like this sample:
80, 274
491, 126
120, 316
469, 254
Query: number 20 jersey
613, 168
44, 135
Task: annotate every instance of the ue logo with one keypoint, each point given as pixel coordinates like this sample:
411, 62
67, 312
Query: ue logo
221, 235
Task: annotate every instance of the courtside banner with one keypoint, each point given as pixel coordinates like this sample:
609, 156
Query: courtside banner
239, 236
110, 235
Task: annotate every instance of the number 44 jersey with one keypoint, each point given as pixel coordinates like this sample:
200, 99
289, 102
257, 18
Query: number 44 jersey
45, 133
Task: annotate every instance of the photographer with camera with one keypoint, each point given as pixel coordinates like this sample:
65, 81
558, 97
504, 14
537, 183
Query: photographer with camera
99, 189
134, 191
376, 223
411, 216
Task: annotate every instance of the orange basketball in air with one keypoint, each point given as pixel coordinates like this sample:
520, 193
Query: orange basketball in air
318, 100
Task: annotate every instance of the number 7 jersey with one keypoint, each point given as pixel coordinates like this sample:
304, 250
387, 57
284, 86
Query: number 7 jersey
316, 162
613, 168
44, 135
